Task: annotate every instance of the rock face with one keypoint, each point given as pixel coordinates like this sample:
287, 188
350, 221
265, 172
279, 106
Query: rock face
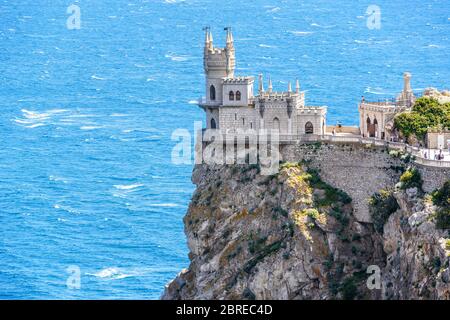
254, 236
417, 255
293, 236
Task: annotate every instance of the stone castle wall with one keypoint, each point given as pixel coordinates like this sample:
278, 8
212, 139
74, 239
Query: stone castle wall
360, 171
353, 168
433, 177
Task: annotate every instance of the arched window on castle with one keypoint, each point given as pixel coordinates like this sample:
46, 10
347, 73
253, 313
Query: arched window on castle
213, 124
212, 93
231, 96
276, 124
309, 128
238, 95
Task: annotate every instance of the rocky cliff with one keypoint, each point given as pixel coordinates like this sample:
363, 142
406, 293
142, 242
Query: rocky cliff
293, 236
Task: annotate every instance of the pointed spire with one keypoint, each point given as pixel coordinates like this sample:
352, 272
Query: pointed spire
289, 87
207, 40
229, 36
210, 40
270, 85
261, 84
297, 86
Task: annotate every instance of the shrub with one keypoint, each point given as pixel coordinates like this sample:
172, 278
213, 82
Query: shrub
441, 198
349, 289
426, 113
411, 179
443, 218
382, 205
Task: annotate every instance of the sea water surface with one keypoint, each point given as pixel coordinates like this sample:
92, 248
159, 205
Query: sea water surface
86, 117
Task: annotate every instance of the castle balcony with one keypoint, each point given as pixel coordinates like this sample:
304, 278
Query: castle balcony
203, 103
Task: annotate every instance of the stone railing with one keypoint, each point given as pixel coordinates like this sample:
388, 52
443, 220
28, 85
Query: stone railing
414, 151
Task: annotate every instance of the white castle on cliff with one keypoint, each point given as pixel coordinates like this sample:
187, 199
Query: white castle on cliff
230, 103
231, 107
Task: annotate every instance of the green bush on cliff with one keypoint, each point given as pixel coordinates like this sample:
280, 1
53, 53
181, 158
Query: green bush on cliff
441, 198
382, 205
411, 179
426, 113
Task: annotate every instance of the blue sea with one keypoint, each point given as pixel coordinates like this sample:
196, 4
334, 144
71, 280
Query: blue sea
86, 177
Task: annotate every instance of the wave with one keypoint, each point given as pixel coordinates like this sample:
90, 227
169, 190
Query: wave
128, 187
301, 33
57, 179
276, 9
34, 114
174, 57
90, 127
266, 46
320, 26
94, 77
66, 208
110, 273
36, 125
192, 101
165, 205
377, 91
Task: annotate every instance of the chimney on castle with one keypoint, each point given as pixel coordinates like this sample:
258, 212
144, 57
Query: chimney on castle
261, 84
297, 86
270, 85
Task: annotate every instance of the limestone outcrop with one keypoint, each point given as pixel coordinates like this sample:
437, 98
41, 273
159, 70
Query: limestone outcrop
294, 236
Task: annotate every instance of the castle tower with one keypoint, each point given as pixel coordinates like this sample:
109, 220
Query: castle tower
406, 97
218, 63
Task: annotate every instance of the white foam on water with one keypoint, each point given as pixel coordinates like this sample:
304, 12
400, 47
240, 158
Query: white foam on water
320, 26
34, 114
275, 9
57, 179
166, 205
94, 77
301, 33
36, 125
90, 127
110, 273
128, 187
177, 58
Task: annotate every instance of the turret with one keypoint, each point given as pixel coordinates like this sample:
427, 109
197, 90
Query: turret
219, 63
406, 97
407, 82
297, 86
